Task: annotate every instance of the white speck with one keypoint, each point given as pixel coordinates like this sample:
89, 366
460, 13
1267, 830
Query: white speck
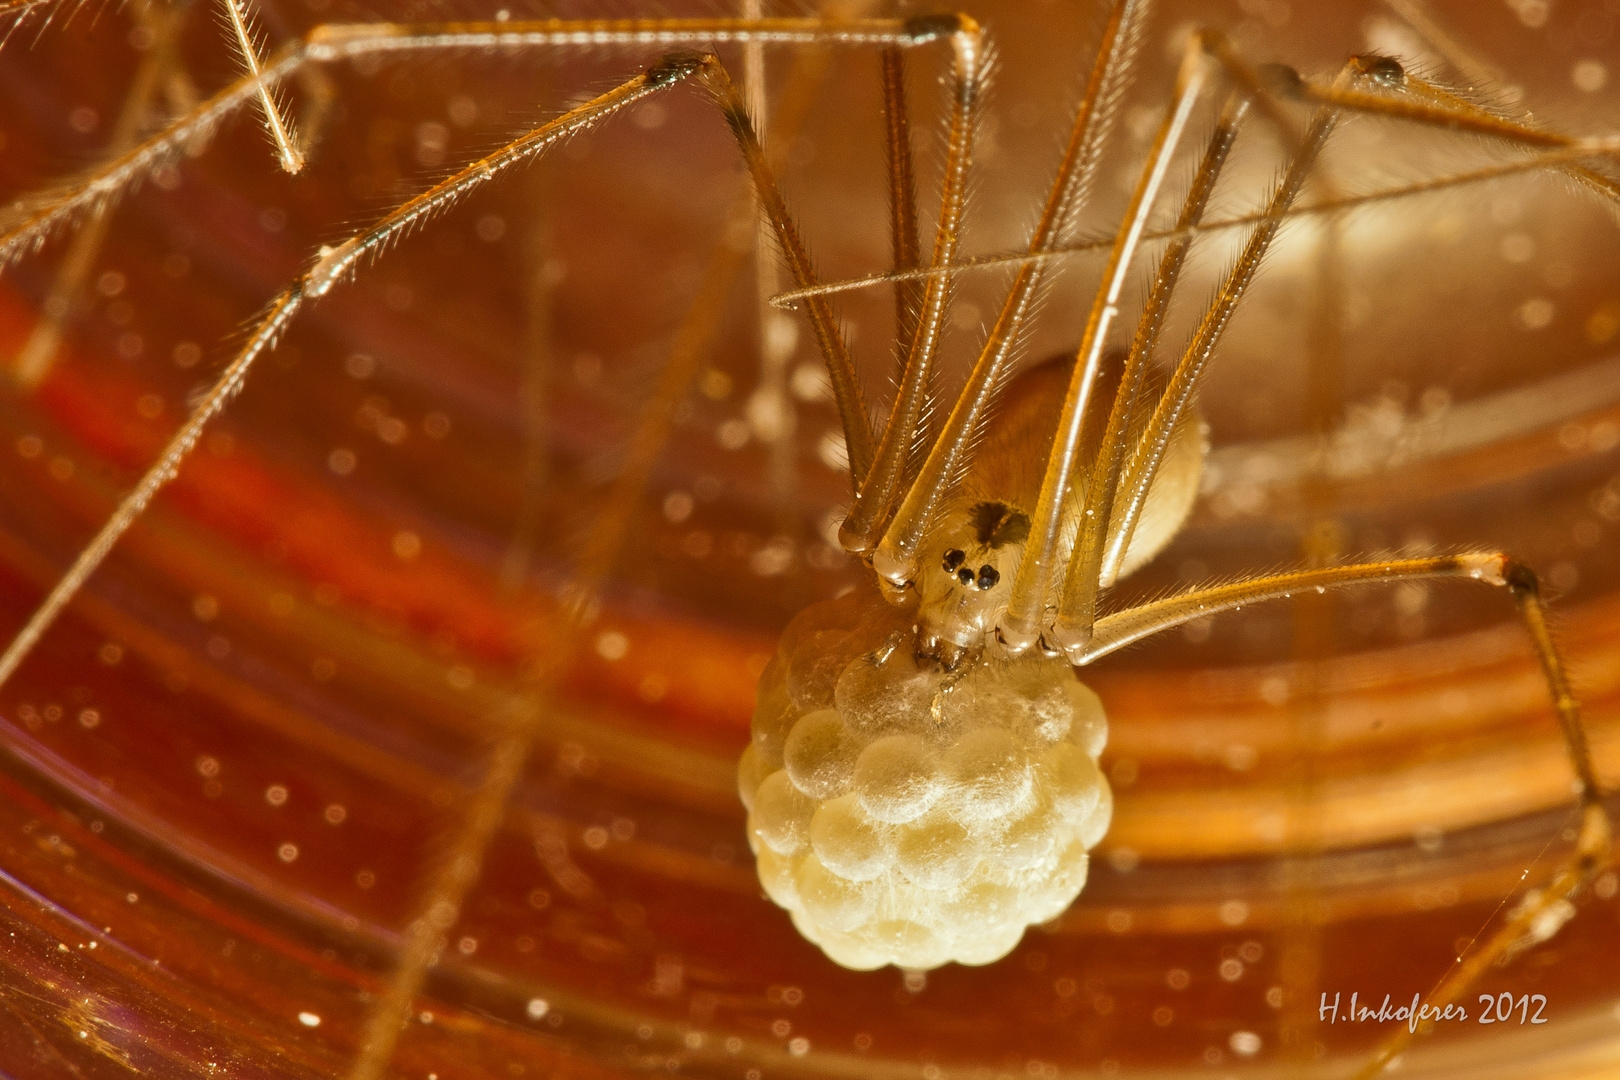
309, 1019
799, 1046
1234, 913
1536, 313
287, 852
275, 794
1124, 859
1533, 13
1590, 76
774, 558
1245, 1043
612, 645
538, 1007
678, 506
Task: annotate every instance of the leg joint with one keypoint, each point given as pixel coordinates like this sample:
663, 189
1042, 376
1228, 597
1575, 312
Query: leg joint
1520, 579
674, 67
920, 28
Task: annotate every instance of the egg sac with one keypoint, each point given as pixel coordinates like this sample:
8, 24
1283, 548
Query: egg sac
909, 816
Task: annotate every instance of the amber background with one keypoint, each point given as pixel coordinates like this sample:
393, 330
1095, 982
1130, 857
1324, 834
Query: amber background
258, 652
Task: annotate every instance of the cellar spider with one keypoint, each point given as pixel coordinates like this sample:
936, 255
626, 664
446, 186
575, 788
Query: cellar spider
1030, 602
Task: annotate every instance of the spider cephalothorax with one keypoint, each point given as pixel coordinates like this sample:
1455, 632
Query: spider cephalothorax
962, 592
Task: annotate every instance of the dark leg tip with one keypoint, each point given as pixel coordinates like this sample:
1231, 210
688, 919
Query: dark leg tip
1382, 70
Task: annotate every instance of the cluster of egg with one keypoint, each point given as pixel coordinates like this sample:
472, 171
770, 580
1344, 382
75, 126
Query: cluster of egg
909, 816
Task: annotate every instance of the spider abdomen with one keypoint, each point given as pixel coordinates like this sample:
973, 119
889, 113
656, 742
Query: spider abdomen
911, 816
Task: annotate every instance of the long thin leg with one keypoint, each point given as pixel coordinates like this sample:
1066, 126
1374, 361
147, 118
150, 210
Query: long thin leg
332, 265
1434, 107
903, 242
457, 870
38, 353
1546, 159
1493, 568
770, 408
1605, 186
281, 134
1592, 845
840, 368
1074, 626
340, 41
876, 496
27, 224
30, 222
1085, 577
896, 556
1035, 580
13, 13
1476, 70
335, 42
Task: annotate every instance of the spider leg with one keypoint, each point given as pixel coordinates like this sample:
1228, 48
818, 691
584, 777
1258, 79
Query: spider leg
895, 558
35, 358
29, 222
476, 825
1075, 626
1036, 578
1543, 159
454, 874
280, 131
1086, 576
834, 351
862, 528
332, 265
1493, 568
691, 343
903, 242
1407, 97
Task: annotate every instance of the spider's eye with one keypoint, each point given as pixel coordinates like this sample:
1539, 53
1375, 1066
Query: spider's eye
988, 576
953, 559
965, 576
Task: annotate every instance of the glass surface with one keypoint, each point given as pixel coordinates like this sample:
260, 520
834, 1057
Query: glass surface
226, 767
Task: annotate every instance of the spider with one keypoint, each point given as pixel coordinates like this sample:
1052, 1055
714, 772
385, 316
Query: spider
1030, 542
